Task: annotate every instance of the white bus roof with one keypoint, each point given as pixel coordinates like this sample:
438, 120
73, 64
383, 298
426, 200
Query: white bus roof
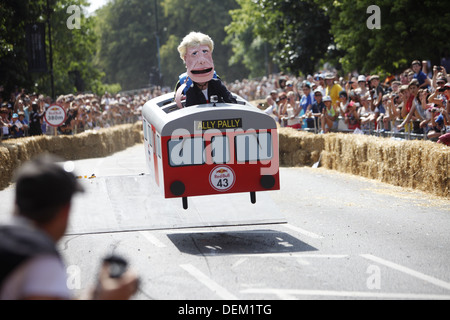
163, 113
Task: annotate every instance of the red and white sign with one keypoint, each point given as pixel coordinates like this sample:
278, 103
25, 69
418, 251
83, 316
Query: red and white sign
55, 115
222, 178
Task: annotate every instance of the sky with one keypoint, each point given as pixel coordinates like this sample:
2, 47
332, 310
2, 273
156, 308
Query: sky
95, 4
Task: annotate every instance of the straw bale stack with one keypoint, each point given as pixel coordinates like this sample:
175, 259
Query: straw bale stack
299, 148
422, 165
89, 144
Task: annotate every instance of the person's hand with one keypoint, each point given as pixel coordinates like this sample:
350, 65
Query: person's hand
121, 288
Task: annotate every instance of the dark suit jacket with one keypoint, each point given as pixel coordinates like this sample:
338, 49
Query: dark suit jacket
215, 88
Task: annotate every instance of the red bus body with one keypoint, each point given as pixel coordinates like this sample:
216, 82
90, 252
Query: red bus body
211, 148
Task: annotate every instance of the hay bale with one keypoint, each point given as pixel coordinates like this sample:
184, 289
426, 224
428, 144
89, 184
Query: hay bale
299, 148
422, 165
89, 144
409, 164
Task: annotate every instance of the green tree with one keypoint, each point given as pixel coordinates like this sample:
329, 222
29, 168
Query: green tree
73, 48
297, 33
409, 30
127, 50
207, 16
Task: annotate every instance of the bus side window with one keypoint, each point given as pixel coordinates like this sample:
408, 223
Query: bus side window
150, 140
158, 145
220, 149
253, 146
145, 131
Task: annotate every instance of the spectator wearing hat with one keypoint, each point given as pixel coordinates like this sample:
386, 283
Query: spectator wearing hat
332, 88
352, 84
438, 125
441, 97
329, 116
315, 112
17, 127
31, 266
320, 83
395, 87
422, 78
289, 86
438, 82
362, 86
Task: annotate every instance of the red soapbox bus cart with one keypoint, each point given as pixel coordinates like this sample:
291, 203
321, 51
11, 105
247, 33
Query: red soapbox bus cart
211, 148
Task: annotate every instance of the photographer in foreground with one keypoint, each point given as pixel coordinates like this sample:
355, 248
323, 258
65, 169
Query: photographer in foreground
31, 266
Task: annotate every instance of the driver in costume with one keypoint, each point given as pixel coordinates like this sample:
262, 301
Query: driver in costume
200, 82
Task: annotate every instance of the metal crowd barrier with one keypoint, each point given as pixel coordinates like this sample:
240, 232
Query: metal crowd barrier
405, 134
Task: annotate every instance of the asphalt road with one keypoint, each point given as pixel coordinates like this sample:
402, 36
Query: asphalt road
324, 235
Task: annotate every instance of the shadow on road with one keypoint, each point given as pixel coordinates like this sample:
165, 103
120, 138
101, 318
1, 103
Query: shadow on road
238, 242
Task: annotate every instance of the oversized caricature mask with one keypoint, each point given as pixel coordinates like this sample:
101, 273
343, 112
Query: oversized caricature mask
199, 63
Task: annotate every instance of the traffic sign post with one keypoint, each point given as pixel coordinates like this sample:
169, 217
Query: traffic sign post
55, 116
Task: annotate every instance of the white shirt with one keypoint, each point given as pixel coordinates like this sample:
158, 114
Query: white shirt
205, 93
43, 275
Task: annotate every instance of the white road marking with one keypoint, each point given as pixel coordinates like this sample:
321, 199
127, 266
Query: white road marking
238, 262
303, 231
291, 255
419, 275
289, 293
211, 284
152, 239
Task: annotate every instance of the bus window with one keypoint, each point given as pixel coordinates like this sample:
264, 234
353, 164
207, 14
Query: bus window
145, 130
186, 151
150, 133
253, 146
158, 145
220, 149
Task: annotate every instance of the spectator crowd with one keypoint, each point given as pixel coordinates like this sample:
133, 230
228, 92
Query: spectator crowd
23, 114
412, 102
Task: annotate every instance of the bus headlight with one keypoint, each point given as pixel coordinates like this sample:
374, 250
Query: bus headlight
177, 188
267, 182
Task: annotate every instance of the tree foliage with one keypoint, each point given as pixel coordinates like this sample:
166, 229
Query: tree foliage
409, 30
297, 32
207, 16
128, 48
72, 48
118, 45
127, 51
